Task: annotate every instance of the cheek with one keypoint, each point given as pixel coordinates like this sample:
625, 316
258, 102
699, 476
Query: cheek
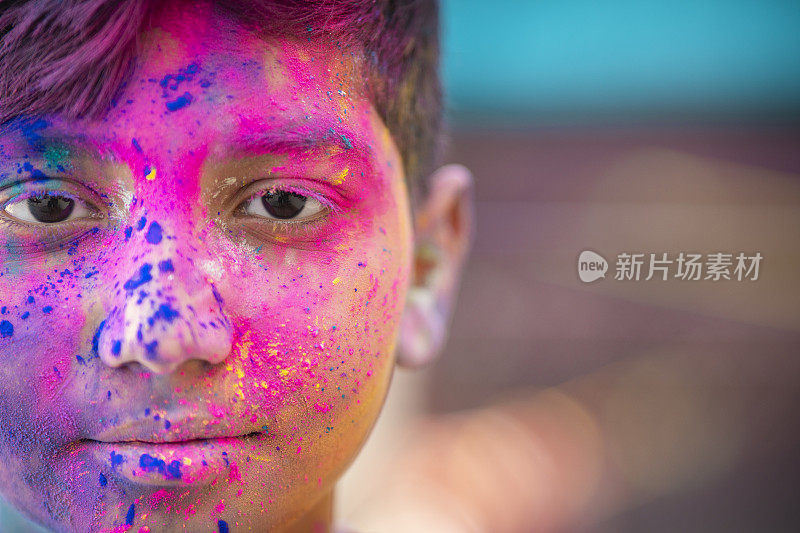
318, 327
45, 343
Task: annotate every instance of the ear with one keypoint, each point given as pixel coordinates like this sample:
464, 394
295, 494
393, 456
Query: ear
443, 235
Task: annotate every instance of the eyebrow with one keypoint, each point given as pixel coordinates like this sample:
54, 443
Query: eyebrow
296, 138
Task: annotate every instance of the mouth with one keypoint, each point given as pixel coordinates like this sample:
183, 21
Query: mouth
175, 459
173, 439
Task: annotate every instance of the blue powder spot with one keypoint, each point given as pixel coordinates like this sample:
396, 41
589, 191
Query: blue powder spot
128, 232
166, 266
79, 359
6, 329
47, 308
131, 513
136, 145
36, 174
347, 144
223, 526
151, 349
140, 279
148, 463
103, 480
174, 469
153, 235
25, 315
96, 337
3, 310
116, 459
90, 274
180, 102
140, 225
30, 130
205, 84
30, 299
165, 312
167, 424
108, 395
116, 348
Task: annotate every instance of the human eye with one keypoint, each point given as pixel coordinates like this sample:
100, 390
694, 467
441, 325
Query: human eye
47, 207
48, 212
283, 204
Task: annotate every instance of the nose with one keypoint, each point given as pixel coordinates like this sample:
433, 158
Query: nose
167, 309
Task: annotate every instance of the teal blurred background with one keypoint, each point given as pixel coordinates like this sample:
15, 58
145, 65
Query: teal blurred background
584, 60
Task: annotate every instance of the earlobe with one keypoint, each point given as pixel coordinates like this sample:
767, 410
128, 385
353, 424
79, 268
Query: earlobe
443, 234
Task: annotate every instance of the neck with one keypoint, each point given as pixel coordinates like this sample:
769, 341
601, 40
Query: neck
318, 519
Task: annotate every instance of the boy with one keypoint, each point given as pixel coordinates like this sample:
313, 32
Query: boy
208, 252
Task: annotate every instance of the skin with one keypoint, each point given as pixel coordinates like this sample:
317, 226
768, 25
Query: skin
176, 361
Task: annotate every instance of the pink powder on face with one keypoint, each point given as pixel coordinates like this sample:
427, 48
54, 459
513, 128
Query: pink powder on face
178, 320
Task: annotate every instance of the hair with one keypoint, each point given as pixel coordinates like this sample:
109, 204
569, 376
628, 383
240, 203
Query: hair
72, 57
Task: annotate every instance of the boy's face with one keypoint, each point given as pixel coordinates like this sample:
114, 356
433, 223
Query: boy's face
200, 292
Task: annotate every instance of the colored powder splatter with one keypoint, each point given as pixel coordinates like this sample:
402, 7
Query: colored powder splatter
149, 173
143, 277
131, 514
180, 102
151, 349
153, 235
222, 525
136, 145
140, 225
128, 232
47, 308
116, 348
103, 480
166, 266
6, 329
167, 313
96, 337
116, 459
148, 463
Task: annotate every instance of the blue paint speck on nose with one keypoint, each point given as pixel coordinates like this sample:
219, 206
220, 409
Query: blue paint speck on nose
153, 235
140, 279
180, 102
96, 337
116, 348
6, 329
166, 312
151, 349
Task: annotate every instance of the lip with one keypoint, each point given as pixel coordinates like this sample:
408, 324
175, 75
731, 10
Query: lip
165, 429
196, 461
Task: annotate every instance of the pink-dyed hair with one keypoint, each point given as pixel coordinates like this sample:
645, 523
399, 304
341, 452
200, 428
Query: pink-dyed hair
73, 56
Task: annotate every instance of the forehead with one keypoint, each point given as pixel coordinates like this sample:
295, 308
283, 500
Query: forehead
201, 77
